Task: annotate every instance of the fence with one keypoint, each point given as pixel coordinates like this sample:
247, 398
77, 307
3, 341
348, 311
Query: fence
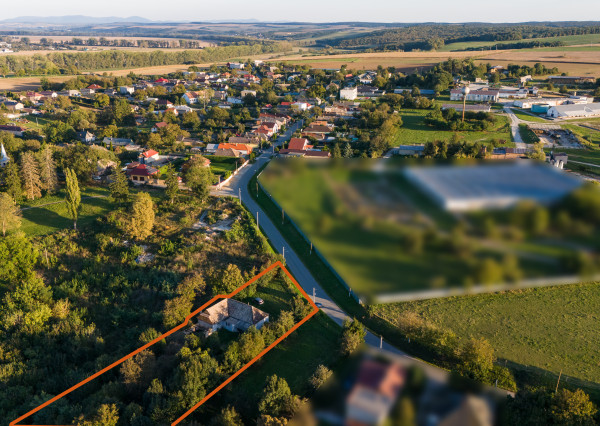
220, 184
314, 249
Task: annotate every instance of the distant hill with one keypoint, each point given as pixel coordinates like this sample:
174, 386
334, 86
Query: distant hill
72, 20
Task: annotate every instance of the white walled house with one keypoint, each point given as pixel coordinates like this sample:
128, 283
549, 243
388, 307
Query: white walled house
231, 315
349, 93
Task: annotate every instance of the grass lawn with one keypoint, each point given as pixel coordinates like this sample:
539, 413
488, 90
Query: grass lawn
51, 218
554, 329
527, 117
415, 131
296, 358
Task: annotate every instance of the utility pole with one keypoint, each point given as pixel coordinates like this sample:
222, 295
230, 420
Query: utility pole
380, 342
558, 381
283, 252
314, 295
240, 193
257, 225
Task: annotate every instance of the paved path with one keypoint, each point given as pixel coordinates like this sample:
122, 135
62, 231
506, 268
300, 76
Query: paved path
585, 164
514, 128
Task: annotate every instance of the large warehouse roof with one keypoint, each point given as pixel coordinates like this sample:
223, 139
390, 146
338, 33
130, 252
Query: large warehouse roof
485, 186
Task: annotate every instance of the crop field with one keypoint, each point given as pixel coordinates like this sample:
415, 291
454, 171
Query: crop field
573, 40
553, 328
360, 61
415, 131
578, 62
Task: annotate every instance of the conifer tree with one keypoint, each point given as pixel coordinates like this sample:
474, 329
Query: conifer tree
119, 188
48, 169
30, 174
12, 179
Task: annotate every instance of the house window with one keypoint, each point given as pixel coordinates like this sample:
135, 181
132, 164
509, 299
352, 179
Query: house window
135, 178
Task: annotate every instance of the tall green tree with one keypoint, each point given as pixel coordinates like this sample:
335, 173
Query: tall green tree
142, 216
73, 198
353, 336
276, 396
199, 178
10, 215
31, 176
172, 182
48, 173
119, 188
12, 179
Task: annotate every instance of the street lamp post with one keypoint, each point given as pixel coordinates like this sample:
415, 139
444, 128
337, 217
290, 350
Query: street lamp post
465, 92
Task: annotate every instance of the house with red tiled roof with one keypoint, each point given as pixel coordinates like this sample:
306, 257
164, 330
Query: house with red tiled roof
301, 144
141, 173
149, 157
159, 126
243, 149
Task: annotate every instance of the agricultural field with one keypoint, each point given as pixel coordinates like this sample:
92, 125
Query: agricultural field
406, 61
563, 337
574, 62
573, 40
415, 131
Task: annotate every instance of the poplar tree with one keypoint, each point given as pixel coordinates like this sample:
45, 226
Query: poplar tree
119, 188
31, 176
142, 216
10, 214
172, 182
12, 180
48, 170
73, 198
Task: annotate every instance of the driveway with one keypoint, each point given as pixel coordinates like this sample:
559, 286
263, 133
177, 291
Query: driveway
514, 128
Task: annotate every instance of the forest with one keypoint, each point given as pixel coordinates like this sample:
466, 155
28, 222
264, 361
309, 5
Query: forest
71, 63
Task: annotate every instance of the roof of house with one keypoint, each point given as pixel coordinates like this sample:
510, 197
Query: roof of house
232, 309
161, 125
298, 143
149, 153
227, 152
142, 170
12, 128
236, 146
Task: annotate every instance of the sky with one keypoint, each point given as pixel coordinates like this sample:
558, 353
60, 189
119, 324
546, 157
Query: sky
314, 10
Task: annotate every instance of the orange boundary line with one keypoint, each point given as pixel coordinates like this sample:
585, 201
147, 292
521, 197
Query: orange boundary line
180, 326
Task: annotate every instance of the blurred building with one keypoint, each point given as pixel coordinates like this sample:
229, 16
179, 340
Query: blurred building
374, 393
489, 186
